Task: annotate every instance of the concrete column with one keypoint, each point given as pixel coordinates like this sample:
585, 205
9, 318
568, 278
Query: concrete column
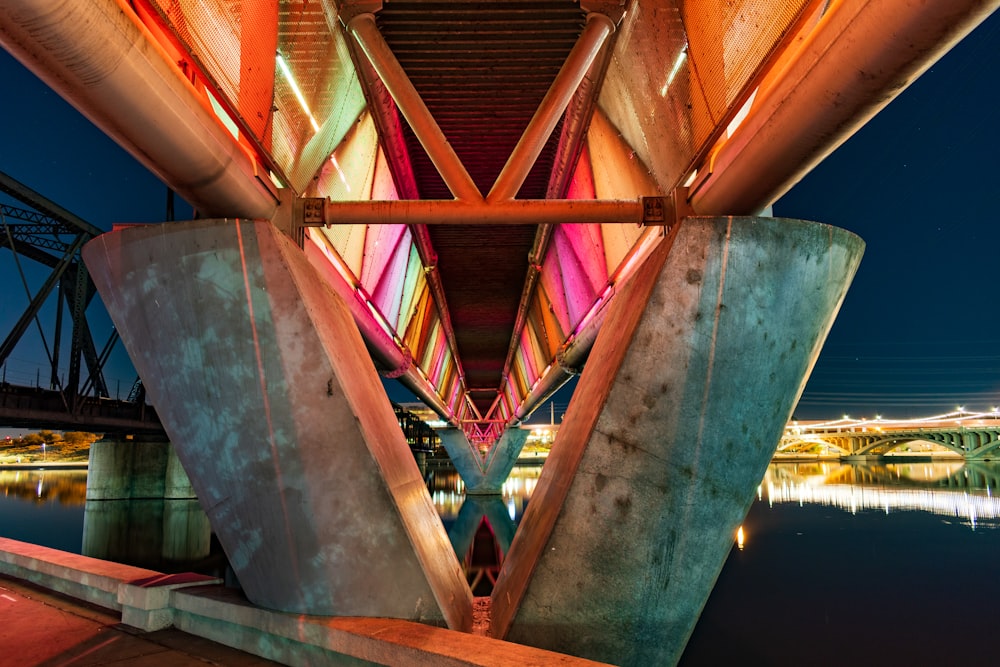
683, 399
187, 535
127, 531
484, 475
970, 442
176, 485
261, 379
122, 468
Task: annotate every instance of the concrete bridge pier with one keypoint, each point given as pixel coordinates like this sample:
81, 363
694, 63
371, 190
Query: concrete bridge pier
141, 507
483, 474
264, 385
127, 467
682, 402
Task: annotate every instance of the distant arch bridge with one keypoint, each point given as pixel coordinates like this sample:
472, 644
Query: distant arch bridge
971, 442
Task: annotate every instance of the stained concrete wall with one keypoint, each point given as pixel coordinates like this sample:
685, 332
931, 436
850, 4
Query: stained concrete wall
676, 415
263, 383
135, 467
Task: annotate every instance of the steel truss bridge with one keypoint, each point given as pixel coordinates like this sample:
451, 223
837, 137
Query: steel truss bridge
43, 232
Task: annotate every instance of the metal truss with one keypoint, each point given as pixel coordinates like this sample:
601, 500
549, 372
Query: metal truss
50, 235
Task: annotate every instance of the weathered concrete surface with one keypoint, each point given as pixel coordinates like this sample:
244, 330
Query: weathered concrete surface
680, 406
37, 628
140, 467
262, 381
484, 475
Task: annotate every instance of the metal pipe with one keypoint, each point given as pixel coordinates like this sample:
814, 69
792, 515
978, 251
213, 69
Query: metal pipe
383, 349
523, 157
508, 212
99, 57
387, 122
573, 353
841, 74
410, 104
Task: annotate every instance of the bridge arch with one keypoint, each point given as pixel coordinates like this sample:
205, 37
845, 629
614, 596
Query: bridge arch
797, 445
876, 446
981, 452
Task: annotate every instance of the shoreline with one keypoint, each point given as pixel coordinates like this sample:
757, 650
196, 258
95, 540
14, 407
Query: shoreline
45, 465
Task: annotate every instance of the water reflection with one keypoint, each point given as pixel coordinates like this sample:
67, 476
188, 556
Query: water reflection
49, 507
65, 487
43, 507
954, 489
164, 535
448, 491
481, 528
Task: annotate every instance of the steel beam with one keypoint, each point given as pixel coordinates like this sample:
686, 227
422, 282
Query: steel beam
36, 303
55, 213
579, 60
362, 27
100, 58
508, 212
830, 83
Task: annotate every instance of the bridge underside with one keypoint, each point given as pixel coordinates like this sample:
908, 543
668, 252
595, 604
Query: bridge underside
315, 496
514, 101
481, 200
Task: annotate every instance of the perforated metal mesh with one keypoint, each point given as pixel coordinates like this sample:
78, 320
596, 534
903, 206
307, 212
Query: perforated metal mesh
728, 40
235, 43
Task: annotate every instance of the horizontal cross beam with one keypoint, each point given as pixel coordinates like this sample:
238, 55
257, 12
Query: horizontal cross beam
642, 211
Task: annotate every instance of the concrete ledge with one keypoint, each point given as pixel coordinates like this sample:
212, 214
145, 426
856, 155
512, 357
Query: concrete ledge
146, 602
141, 595
225, 617
193, 603
90, 579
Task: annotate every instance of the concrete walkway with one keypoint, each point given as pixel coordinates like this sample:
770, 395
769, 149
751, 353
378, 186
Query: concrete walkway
42, 628
60, 609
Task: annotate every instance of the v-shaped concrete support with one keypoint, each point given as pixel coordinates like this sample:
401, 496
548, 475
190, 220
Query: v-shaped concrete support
263, 384
690, 382
484, 474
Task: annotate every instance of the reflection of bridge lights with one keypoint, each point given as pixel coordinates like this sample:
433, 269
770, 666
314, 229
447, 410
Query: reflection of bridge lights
740, 538
971, 508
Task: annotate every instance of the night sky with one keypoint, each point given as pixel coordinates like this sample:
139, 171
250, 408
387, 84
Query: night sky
919, 330
917, 333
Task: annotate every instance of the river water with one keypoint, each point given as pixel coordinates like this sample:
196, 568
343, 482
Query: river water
879, 564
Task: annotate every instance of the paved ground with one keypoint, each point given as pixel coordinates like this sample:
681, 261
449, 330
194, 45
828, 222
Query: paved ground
39, 628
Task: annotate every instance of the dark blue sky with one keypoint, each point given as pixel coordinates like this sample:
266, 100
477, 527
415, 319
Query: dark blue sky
918, 332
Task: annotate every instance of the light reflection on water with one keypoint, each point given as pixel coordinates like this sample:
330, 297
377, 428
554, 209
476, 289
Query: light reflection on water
448, 491
479, 527
827, 545
43, 507
859, 564
953, 488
